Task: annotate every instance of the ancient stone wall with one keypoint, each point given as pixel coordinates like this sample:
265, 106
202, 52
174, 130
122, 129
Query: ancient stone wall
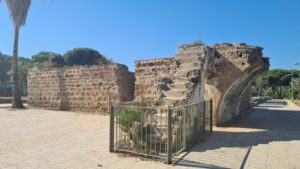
223, 72
84, 89
229, 78
227, 70
149, 77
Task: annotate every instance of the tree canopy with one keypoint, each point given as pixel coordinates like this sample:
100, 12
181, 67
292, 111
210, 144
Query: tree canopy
84, 56
277, 83
45, 60
50, 58
5, 67
18, 11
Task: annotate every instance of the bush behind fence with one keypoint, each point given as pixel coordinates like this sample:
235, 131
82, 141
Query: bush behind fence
161, 132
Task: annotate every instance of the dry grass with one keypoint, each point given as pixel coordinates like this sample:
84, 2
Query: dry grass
297, 102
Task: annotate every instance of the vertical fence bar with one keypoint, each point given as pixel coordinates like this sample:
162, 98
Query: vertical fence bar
169, 144
160, 121
211, 115
184, 126
204, 111
111, 125
116, 125
197, 122
155, 132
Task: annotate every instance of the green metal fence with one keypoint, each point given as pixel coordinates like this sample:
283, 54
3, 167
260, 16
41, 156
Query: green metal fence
161, 132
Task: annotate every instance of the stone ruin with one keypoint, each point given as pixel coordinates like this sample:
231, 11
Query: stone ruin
84, 89
223, 72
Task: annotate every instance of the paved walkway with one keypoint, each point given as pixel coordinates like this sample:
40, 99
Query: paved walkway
43, 139
267, 138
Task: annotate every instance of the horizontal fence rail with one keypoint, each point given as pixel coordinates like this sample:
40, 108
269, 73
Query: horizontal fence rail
161, 132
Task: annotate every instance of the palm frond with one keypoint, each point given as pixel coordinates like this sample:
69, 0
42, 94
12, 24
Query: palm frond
18, 11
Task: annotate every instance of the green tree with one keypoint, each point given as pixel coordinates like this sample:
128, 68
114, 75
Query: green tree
5, 62
84, 56
260, 84
295, 84
25, 65
275, 83
50, 59
5, 78
18, 12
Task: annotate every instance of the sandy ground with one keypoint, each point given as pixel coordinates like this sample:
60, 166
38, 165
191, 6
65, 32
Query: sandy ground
44, 139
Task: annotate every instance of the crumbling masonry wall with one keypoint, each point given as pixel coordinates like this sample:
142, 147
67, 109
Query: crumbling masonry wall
84, 89
229, 78
229, 72
149, 77
223, 72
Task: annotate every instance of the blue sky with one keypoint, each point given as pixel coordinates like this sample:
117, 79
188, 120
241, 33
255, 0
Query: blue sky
130, 30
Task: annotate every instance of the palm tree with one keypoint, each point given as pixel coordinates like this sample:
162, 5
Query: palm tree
18, 12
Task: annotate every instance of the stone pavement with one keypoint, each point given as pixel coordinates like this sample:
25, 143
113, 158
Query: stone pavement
43, 139
267, 138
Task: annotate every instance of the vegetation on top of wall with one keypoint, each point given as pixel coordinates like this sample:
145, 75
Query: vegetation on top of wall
49, 59
84, 56
74, 57
45, 60
278, 83
195, 43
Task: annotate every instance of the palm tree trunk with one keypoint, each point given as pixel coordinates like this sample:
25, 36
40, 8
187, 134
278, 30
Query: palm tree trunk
17, 101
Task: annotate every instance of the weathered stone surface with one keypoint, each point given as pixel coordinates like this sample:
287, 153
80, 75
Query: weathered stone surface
176, 80
223, 72
229, 78
151, 75
84, 89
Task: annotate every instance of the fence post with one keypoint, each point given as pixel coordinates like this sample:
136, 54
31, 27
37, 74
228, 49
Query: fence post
184, 127
198, 124
111, 125
169, 136
211, 115
204, 112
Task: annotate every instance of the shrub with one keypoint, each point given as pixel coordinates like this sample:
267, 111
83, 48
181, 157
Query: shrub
84, 56
49, 59
127, 119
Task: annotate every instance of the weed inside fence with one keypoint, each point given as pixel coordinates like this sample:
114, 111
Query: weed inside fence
161, 132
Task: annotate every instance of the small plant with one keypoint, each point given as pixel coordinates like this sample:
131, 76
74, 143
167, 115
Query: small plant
198, 42
129, 117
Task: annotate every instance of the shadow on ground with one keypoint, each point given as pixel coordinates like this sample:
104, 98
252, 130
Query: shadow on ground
263, 126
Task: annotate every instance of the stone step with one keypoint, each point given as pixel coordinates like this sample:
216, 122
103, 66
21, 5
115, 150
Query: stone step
192, 49
189, 64
189, 54
167, 101
186, 72
179, 86
188, 59
175, 93
180, 79
164, 129
163, 121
